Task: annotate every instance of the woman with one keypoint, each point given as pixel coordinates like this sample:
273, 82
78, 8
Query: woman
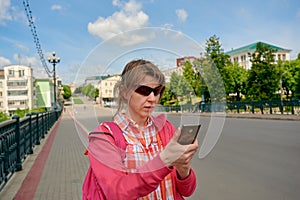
137, 155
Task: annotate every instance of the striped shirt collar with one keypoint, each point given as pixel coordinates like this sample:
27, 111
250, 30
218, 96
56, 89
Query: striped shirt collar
123, 121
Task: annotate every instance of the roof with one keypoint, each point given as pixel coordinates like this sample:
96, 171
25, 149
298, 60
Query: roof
252, 47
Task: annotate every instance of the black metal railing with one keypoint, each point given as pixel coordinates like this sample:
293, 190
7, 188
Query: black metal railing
18, 137
266, 107
262, 107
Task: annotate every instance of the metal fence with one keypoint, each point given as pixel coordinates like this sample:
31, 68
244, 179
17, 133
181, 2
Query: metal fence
255, 107
18, 137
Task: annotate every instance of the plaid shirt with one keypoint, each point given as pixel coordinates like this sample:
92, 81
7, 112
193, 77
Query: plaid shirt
143, 145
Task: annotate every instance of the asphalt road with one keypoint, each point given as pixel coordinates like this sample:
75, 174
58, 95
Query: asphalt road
252, 159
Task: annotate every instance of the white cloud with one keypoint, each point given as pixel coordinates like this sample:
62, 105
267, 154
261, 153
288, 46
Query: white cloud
4, 61
56, 7
5, 11
182, 15
129, 17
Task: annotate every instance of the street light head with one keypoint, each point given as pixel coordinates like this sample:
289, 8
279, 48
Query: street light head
49, 59
53, 53
58, 60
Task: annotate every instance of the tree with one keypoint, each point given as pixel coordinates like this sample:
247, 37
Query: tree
213, 68
263, 80
191, 73
67, 92
235, 79
296, 75
215, 52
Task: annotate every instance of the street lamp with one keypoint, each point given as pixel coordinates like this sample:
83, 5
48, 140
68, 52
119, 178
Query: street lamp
54, 61
202, 83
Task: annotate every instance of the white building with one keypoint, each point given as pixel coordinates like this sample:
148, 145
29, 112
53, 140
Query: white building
16, 88
240, 55
106, 90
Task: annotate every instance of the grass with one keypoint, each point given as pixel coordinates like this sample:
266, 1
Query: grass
77, 101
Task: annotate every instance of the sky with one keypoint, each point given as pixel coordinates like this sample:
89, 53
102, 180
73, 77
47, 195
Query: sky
93, 37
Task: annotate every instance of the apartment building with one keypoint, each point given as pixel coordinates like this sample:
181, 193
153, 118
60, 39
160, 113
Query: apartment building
106, 90
2, 99
240, 55
16, 86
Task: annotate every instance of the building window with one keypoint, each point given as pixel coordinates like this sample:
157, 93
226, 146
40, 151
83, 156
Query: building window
21, 73
243, 58
235, 59
11, 72
17, 93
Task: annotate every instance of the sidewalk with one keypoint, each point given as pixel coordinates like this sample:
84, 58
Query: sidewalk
56, 170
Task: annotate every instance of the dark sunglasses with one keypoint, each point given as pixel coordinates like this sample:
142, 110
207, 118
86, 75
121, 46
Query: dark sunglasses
146, 91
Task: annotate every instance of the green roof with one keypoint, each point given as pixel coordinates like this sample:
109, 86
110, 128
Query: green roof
252, 47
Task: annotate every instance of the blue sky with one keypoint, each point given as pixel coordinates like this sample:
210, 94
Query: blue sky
82, 31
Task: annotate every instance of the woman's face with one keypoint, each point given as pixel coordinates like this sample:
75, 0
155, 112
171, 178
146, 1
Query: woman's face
141, 106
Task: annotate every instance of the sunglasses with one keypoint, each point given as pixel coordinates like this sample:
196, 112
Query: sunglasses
146, 91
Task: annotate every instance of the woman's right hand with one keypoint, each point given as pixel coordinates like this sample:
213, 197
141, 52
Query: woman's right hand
176, 154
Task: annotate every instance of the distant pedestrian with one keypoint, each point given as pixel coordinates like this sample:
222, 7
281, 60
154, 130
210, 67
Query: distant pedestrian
137, 155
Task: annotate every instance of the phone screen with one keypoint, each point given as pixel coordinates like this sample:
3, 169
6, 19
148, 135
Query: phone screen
188, 134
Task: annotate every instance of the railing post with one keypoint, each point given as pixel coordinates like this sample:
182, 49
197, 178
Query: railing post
293, 109
30, 134
18, 139
42, 125
37, 129
252, 107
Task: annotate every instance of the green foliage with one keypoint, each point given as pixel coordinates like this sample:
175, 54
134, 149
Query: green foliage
21, 113
215, 52
38, 110
89, 90
3, 117
263, 80
235, 79
191, 72
169, 96
67, 92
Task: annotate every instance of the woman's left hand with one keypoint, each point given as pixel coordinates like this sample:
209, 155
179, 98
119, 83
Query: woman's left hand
183, 163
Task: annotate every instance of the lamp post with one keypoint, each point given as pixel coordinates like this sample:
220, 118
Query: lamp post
54, 61
202, 83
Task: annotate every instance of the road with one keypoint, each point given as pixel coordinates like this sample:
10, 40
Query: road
253, 158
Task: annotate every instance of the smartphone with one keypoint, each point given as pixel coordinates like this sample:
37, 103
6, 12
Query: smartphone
188, 134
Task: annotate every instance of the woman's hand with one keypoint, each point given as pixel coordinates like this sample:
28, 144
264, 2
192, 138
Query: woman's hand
183, 163
179, 155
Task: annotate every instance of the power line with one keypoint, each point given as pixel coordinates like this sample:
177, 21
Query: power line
35, 36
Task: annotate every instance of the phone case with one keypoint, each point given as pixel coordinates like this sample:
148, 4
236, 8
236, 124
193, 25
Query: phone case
188, 134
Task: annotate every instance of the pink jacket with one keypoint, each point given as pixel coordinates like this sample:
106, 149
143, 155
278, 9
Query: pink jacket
107, 176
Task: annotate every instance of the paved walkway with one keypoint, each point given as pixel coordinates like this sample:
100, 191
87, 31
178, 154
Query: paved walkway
57, 168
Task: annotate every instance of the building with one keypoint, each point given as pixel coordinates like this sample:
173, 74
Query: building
106, 90
2, 96
240, 55
17, 88
44, 93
